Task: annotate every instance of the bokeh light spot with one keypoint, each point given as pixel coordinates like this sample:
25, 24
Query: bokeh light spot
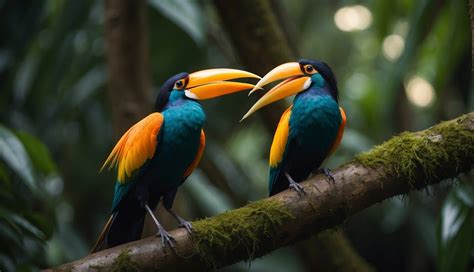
353, 18
393, 46
420, 92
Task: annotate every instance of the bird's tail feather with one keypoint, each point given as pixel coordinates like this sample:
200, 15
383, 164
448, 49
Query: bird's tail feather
125, 225
102, 241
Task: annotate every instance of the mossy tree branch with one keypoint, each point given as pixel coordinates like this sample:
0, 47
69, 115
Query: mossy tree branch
406, 162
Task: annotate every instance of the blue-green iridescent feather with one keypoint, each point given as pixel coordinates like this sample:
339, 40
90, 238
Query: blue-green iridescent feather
313, 126
178, 143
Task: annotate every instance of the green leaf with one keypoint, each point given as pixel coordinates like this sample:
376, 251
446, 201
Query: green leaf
44, 222
28, 227
455, 230
38, 152
13, 153
4, 177
20, 225
184, 13
10, 234
6, 221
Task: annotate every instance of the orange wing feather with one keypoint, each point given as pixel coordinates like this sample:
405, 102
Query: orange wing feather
340, 132
196, 161
280, 139
135, 147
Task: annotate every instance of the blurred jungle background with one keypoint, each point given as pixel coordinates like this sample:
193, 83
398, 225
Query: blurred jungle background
74, 75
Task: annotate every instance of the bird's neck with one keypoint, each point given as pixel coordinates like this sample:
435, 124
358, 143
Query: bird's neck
186, 109
319, 87
315, 91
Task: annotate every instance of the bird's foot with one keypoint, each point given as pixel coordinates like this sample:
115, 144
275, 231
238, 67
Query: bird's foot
181, 222
327, 172
295, 186
166, 238
185, 224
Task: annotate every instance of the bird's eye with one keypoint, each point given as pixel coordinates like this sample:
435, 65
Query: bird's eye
179, 84
309, 69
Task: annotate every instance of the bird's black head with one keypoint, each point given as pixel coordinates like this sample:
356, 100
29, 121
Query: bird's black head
178, 81
326, 72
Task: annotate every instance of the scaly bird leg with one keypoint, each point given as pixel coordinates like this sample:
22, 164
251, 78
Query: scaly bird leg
165, 236
295, 186
328, 174
182, 223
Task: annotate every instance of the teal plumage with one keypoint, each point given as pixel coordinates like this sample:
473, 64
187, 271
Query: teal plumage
157, 154
310, 129
178, 143
313, 126
180, 139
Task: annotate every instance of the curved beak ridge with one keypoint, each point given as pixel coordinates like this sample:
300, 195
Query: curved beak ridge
295, 81
212, 83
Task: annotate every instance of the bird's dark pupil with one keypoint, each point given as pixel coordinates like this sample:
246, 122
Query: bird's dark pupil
179, 83
309, 68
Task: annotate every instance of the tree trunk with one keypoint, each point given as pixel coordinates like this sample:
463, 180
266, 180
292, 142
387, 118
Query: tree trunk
471, 11
258, 40
406, 162
129, 83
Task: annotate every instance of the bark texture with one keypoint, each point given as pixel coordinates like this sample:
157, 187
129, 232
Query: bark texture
406, 162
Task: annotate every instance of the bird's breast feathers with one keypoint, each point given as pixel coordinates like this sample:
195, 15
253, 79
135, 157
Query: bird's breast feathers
183, 121
315, 115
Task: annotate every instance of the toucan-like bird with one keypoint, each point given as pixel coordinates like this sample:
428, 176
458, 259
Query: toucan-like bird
156, 155
309, 130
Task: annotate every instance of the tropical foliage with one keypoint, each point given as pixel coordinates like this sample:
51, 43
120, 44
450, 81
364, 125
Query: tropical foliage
401, 65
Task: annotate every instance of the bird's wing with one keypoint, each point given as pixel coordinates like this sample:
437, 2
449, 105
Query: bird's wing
197, 159
340, 133
135, 147
278, 148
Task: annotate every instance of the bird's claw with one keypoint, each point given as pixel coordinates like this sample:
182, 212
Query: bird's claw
166, 238
187, 225
329, 177
298, 188
295, 186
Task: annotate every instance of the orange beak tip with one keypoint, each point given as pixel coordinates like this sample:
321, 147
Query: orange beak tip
256, 88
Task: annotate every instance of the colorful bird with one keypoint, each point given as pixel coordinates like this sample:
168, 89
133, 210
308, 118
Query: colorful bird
310, 130
156, 155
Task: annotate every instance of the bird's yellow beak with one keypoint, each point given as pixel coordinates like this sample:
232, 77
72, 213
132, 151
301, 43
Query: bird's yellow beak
295, 81
212, 83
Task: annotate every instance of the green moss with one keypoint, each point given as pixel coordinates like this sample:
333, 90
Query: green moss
243, 228
124, 263
409, 153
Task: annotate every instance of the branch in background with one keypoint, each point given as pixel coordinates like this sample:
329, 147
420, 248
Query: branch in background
319, 253
129, 83
471, 12
406, 162
255, 33
258, 40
